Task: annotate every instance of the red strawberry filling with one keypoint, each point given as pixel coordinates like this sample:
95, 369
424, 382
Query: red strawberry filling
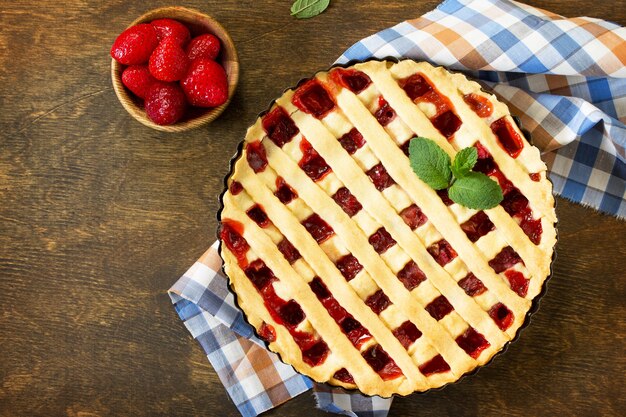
231, 232
344, 376
289, 251
407, 333
416, 86
349, 266
255, 155
439, 308
348, 203
411, 275
378, 301
477, 226
287, 313
443, 194
259, 274
479, 104
267, 332
318, 228
257, 214
501, 315
518, 282
385, 114
413, 216
235, 187
505, 259
284, 192
312, 98
442, 252
380, 177
434, 366
381, 240
508, 138
352, 141
381, 363
354, 80
316, 354
472, 285
311, 162
279, 126
291, 313
447, 123
472, 342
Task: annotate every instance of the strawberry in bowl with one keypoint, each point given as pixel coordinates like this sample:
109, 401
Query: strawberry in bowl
174, 69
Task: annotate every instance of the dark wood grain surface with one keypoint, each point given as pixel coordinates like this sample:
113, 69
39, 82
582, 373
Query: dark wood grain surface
99, 215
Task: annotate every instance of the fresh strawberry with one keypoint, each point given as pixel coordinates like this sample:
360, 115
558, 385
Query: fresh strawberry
168, 62
203, 46
137, 78
205, 84
170, 27
135, 44
165, 103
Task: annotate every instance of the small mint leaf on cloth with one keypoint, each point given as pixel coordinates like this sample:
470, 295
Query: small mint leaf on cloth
304, 9
464, 161
430, 163
476, 191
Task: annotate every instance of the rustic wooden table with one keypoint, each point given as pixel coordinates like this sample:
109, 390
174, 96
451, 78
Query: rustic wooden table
99, 215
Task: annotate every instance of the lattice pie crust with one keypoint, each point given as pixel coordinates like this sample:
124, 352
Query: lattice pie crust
355, 271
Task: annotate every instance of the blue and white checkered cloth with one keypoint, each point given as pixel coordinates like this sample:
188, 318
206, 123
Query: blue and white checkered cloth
565, 79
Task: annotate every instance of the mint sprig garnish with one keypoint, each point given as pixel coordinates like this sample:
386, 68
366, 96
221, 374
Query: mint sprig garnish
476, 191
464, 161
304, 9
471, 189
430, 163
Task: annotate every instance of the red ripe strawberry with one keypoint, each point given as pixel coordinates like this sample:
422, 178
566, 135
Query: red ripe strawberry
203, 46
165, 103
205, 85
137, 78
173, 28
135, 44
168, 62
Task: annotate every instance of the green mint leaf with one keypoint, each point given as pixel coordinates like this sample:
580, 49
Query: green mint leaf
430, 163
464, 161
304, 9
476, 191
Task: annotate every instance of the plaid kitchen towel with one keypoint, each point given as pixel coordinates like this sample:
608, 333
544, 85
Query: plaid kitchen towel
565, 78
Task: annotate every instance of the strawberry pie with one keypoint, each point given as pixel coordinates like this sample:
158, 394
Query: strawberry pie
355, 270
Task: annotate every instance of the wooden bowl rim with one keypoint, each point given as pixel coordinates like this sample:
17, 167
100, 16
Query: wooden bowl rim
138, 112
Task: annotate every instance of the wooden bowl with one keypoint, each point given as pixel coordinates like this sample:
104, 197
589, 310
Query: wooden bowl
198, 23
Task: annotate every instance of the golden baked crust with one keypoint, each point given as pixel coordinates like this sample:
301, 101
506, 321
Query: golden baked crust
459, 327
